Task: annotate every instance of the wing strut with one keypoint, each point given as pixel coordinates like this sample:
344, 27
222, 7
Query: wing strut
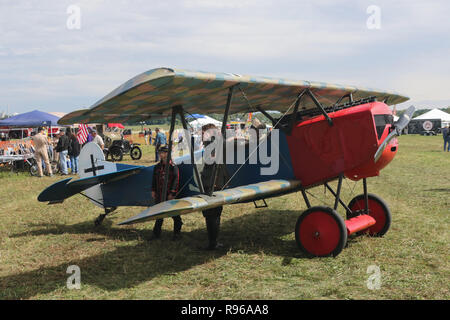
224, 126
319, 106
178, 109
293, 115
169, 153
191, 148
348, 95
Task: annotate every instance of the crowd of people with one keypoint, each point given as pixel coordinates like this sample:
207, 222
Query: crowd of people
65, 150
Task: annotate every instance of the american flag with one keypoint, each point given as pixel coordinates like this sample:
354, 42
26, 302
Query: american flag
82, 134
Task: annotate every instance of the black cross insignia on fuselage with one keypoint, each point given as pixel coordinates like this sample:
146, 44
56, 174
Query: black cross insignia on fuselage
94, 168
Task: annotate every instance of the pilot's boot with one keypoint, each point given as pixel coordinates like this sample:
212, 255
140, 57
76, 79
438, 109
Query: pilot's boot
213, 227
177, 223
157, 229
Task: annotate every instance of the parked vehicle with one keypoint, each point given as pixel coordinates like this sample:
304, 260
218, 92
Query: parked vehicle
116, 146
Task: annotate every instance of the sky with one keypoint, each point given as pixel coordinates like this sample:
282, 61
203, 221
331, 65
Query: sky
64, 55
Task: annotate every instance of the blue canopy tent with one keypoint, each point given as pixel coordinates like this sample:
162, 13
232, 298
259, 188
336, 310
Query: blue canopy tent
31, 119
34, 118
195, 116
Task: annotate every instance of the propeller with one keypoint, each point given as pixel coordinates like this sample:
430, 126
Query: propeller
398, 128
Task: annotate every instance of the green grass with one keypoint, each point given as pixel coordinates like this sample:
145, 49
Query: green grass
39, 242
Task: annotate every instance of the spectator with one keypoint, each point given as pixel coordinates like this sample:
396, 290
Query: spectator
97, 139
62, 148
446, 136
74, 152
145, 135
89, 137
160, 140
40, 154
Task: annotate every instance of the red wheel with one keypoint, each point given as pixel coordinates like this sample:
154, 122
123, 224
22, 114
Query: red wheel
320, 232
378, 210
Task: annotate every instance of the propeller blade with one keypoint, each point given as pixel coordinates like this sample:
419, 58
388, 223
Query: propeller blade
384, 145
404, 119
398, 128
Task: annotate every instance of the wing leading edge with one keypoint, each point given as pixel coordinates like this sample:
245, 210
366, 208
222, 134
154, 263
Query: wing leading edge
202, 202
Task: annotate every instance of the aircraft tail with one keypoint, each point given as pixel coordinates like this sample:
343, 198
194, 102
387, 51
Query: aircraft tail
93, 171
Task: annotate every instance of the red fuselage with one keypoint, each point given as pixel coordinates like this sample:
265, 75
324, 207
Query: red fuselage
320, 152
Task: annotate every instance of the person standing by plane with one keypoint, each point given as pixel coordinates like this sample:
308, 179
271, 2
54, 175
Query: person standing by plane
212, 216
173, 183
446, 136
41, 145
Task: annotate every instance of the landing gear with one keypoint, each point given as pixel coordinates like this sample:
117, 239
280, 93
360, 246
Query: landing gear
378, 210
101, 217
99, 220
320, 232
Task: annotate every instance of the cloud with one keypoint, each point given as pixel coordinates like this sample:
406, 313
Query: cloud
311, 40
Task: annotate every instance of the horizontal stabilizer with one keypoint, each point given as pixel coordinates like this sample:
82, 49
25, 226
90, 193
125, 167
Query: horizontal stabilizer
202, 202
64, 189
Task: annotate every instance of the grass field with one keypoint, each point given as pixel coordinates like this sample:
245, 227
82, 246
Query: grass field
39, 242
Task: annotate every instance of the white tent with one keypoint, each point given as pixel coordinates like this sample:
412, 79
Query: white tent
198, 123
435, 114
58, 114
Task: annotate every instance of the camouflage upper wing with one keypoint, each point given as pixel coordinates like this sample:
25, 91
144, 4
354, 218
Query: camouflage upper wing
153, 93
202, 202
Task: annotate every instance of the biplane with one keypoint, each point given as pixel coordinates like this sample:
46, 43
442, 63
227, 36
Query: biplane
327, 132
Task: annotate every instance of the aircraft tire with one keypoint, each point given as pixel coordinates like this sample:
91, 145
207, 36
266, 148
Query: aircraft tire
320, 232
378, 209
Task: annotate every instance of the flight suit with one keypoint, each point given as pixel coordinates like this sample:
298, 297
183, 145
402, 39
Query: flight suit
173, 184
41, 146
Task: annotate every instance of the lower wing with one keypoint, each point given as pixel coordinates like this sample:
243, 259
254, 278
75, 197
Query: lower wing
203, 202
